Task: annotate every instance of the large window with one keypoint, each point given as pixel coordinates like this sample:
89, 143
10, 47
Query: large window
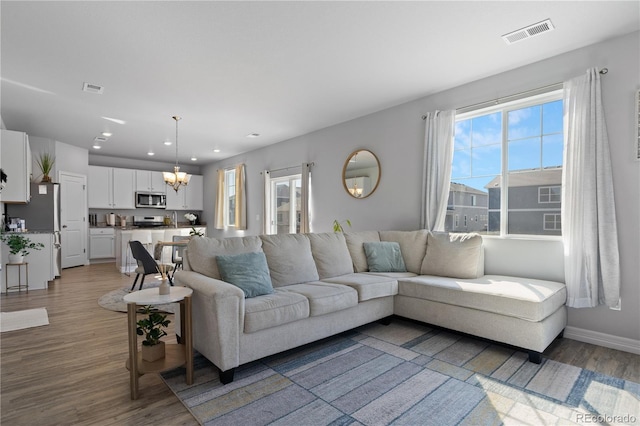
517, 146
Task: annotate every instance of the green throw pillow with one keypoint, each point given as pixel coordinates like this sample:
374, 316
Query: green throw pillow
384, 256
249, 271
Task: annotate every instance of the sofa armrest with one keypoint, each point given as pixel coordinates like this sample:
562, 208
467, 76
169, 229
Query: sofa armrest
217, 317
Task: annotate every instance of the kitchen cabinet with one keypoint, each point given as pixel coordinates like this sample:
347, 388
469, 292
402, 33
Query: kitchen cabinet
189, 197
102, 243
16, 163
111, 188
41, 262
151, 181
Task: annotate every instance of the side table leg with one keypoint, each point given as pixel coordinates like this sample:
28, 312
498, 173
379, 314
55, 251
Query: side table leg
187, 333
133, 349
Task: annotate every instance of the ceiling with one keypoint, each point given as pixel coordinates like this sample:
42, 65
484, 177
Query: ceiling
279, 69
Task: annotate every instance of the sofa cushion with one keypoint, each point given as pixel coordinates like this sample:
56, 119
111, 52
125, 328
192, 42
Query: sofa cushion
289, 259
384, 256
413, 245
274, 309
331, 254
528, 299
454, 255
202, 252
325, 298
356, 249
368, 286
249, 271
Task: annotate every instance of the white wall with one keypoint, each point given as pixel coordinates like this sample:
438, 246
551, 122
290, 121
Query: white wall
396, 136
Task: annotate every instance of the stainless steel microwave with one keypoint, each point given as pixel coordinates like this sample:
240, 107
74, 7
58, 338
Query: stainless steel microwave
151, 200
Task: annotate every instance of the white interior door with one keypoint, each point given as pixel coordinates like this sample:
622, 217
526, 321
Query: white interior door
73, 212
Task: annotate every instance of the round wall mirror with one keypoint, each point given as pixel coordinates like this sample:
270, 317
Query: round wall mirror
361, 173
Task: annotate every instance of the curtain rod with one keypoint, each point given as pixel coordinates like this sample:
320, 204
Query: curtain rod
290, 167
468, 108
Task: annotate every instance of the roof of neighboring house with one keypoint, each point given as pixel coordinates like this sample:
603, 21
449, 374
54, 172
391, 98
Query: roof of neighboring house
460, 187
530, 178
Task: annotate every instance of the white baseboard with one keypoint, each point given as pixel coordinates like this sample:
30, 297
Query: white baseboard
602, 339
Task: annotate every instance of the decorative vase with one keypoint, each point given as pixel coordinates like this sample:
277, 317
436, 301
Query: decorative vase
153, 353
16, 258
164, 287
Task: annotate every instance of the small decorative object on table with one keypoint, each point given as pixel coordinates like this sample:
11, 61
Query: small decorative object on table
152, 328
195, 233
191, 218
19, 246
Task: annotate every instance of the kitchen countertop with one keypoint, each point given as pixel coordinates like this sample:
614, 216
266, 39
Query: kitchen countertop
130, 227
29, 232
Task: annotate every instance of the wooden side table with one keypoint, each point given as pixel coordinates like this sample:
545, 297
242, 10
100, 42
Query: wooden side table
176, 354
19, 285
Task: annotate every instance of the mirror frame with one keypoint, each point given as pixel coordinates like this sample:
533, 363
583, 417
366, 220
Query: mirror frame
344, 171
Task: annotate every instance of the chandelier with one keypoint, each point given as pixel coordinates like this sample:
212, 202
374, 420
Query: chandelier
176, 179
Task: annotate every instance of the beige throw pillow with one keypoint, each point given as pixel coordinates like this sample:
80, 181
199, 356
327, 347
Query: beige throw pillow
454, 255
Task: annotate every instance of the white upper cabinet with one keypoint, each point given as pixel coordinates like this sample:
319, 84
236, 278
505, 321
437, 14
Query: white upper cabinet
189, 197
150, 181
111, 188
16, 163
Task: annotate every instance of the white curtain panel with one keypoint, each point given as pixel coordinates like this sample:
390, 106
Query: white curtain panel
589, 231
219, 216
436, 173
241, 198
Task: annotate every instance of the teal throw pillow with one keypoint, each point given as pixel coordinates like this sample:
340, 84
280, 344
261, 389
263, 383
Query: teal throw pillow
384, 256
249, 271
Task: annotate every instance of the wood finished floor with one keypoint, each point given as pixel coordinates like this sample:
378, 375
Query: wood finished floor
72, 371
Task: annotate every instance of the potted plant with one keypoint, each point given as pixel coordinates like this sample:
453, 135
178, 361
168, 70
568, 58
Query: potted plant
19, 246
337, 226
195, 233
152, 328
45, 162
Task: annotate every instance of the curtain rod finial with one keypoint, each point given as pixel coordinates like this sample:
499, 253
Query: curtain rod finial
604, 71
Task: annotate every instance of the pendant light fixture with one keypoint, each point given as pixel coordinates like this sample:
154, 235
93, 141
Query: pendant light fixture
176, 179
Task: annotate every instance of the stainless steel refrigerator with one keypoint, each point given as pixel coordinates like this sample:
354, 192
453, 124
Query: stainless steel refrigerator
42, 214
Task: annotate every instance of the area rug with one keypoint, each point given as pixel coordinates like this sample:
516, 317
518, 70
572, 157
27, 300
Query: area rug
18, 320
114, 300
404, 374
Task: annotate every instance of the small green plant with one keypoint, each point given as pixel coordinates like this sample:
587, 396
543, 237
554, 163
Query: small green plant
337, 226
45, 161
152, 327
195, 233
19, 244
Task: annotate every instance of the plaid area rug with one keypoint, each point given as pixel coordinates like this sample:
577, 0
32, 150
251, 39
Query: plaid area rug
405, 374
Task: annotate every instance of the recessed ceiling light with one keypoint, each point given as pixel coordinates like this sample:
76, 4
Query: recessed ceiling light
167, 143
106, 134
216, 150
253, 135
150, 153
194, 159
96, 146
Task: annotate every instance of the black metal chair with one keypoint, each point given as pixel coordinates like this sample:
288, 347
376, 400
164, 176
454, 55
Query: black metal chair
146, 264
176, 252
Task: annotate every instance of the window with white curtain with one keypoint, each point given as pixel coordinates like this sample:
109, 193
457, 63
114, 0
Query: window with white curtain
516, 145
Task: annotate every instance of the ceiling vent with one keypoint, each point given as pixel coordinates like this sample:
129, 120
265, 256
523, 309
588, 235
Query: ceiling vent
99, 139
528, 32
93, 88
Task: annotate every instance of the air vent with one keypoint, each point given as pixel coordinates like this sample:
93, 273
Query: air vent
93, 88
100, 139
528, 32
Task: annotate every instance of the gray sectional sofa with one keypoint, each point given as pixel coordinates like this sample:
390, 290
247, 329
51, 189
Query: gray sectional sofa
289, 290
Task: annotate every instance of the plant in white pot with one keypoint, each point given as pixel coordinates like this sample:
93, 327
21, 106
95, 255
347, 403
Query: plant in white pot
152, 328
19, 246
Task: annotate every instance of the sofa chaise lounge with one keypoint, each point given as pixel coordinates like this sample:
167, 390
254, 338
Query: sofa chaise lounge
312, 286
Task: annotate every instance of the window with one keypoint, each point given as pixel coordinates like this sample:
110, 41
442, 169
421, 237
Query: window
518, 146
549, 194
230, 197
285, 204
552, 222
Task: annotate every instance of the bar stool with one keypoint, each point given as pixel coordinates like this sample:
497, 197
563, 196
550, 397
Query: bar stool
19, 286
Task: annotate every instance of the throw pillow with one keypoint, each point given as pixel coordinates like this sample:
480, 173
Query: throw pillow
248, 271
454, 255
384, 256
